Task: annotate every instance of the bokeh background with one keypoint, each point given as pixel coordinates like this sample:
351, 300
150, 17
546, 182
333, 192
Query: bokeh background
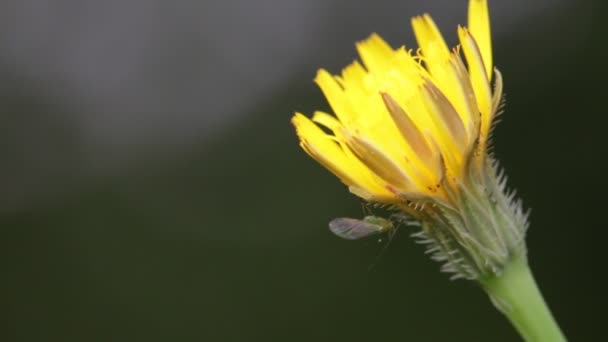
152, 188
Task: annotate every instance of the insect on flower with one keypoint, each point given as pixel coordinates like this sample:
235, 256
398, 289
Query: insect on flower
410, 131
353, 229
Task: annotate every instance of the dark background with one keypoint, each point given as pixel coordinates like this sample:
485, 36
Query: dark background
152, 188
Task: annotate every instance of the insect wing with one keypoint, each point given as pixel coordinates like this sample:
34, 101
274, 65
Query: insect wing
352, 229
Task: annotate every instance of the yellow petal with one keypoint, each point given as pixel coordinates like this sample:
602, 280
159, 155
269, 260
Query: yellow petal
442, 109
450, 132
375, 53
326, 120
464, 81
379, 163
323, 149
410, 132
479, 25
353, 76
430, 40
334, 94
329, 153
436, 57
479, 80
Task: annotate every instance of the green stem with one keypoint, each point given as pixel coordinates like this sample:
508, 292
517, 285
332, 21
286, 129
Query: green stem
516, 295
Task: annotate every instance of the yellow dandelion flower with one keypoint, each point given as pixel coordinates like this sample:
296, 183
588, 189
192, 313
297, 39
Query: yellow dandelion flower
411, 130
405, 122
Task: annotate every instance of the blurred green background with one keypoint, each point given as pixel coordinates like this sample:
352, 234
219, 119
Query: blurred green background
225, 238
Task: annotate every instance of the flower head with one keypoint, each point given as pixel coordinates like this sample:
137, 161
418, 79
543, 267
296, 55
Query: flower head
403, 121
412, 128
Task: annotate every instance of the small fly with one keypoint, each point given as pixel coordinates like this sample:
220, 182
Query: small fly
353, 229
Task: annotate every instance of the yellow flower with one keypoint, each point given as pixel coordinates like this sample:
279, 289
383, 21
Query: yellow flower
411, 131
407, 124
